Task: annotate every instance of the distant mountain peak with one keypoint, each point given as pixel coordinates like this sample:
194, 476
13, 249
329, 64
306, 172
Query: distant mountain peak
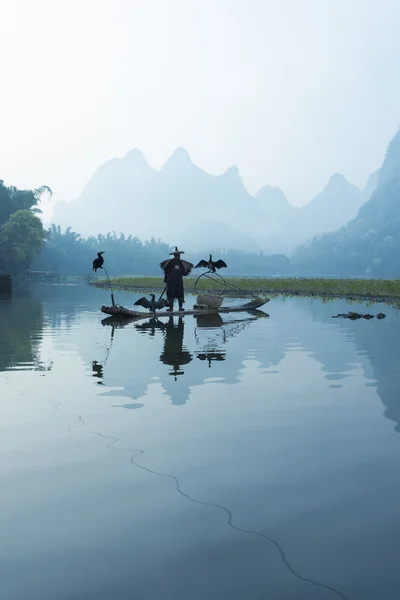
179, 158
337, 179
273, 198
232, 171
337, 188
391, 162
231, 174
232, 181
370, 238
135, 155
268, 191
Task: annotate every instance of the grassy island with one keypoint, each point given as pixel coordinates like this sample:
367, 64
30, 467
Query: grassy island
373, 290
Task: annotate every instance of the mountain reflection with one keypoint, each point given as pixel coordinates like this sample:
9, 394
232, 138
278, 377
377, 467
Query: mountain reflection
377, 348
176, 355
298, 323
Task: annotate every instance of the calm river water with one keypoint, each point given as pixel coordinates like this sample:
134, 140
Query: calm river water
235, 458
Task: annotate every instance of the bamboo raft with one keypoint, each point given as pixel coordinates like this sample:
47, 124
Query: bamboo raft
121, 311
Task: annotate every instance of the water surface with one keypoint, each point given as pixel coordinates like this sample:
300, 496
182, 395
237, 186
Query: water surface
129, 454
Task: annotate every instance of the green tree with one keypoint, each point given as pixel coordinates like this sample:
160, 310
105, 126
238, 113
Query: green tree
21, 238
13, 199
69, 253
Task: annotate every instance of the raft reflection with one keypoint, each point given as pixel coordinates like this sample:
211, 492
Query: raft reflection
181, 342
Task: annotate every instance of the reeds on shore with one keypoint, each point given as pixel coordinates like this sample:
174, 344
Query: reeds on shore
356, 289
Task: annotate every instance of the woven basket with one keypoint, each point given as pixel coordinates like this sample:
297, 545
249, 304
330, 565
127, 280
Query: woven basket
209, 300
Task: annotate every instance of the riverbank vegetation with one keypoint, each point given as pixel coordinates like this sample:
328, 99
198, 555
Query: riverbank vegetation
21, 231
69, 253
357, 289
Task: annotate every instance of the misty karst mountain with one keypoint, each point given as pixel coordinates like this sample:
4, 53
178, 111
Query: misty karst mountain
372, 238
288, 226
184, 205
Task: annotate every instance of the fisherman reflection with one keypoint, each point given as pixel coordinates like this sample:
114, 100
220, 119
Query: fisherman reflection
173, 353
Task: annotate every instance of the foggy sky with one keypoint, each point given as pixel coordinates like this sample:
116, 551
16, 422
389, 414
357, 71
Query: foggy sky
288, 91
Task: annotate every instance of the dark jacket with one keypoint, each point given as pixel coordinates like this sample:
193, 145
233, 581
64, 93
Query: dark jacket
174, 271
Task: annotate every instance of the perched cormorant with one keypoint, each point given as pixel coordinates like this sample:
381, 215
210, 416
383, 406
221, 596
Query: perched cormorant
211, 265
98, 262
152, 304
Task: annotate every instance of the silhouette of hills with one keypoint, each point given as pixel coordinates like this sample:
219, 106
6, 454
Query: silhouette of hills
372, 238
181, 202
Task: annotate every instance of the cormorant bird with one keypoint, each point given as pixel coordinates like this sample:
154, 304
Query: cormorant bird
211, 265
98, 262
152, 304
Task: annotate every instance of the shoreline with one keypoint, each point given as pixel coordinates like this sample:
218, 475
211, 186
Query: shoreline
364, 290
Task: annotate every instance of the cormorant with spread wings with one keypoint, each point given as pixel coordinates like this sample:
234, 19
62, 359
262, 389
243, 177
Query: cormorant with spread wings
152, 304
211, 265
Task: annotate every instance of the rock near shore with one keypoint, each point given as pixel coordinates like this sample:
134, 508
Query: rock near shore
355, 315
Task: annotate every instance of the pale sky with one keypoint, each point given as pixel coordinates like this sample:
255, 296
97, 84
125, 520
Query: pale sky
290, 91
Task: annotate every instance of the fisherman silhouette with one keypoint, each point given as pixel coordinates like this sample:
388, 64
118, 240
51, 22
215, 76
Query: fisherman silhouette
175, 269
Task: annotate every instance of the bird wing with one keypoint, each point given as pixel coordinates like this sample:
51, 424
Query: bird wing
219, 264
143, 302
162, 303
202, 263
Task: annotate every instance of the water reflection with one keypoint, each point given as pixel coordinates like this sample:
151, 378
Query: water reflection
34, 317
181, 342
174, 354
210, 351
210, 356
97, 369
214, 320
149, 327
302, 325
377, 348
289, 454
21, 327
